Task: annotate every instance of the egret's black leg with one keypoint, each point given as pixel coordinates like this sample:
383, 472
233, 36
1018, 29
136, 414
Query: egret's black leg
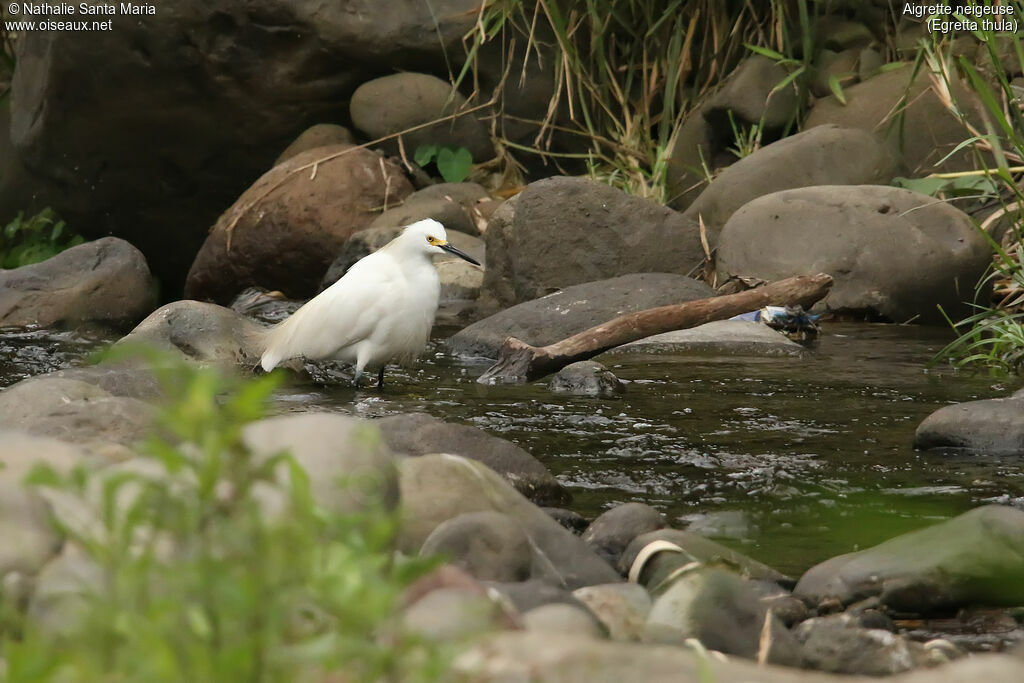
355, 380
380, 378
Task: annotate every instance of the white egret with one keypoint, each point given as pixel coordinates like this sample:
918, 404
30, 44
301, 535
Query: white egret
380, 311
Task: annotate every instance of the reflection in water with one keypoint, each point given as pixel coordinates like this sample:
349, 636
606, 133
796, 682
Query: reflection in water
813, 454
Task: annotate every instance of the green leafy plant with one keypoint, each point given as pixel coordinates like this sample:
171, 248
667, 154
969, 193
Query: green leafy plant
453, 163
994, 335
994, 339
30, 240
199, 581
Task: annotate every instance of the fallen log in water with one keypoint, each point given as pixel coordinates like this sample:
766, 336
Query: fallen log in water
518, 362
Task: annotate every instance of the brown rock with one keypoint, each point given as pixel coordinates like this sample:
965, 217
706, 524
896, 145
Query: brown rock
320, 135
296, 225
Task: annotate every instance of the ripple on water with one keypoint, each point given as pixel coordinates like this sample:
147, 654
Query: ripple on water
29, 351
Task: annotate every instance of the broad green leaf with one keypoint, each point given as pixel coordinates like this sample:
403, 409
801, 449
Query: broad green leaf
454, 163
424, 154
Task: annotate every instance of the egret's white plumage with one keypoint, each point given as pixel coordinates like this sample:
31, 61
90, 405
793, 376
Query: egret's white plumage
380, 311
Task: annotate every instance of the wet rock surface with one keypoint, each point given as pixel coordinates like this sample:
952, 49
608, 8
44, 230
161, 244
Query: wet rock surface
992, 426
586, 378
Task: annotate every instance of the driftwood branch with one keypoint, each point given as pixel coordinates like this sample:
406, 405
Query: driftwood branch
518, 362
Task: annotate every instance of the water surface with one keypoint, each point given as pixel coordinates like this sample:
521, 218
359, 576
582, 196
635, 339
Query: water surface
791, 460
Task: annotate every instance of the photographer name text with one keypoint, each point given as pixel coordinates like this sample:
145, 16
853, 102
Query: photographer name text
30, 9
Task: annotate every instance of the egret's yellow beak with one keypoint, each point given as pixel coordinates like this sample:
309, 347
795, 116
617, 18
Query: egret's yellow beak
452, 250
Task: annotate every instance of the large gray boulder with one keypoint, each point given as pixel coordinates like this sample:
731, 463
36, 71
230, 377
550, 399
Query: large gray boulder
457, 206
395, 103
418, 434
216, 92
106, 281
992, 426
824, 155
902, 106
892, 253
574, 309
437, 488
974, 559
607, 233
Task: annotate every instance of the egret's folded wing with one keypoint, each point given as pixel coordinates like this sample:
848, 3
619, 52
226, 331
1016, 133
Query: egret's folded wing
339, 316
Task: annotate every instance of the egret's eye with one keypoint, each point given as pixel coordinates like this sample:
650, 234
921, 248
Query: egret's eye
431, 239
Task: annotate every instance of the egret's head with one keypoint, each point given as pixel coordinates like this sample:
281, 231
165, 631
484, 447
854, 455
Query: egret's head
433, 240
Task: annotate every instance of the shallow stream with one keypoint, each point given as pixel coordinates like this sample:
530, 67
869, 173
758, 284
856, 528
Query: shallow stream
791, 460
